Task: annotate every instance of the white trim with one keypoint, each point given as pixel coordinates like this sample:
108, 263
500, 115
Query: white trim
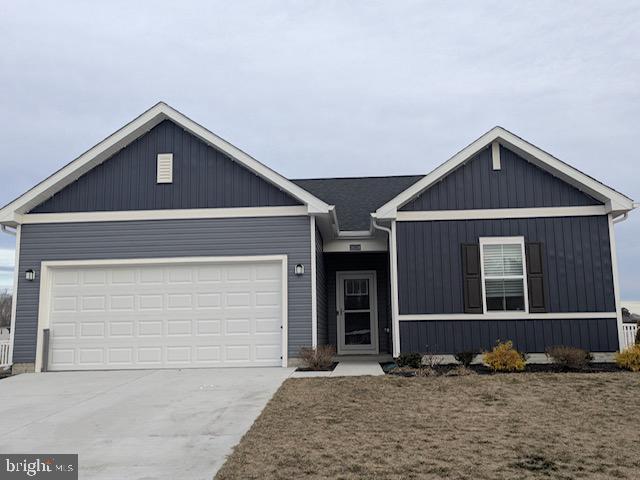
495, 155
615, 201
314, 293
14, 299
616, 281
170, 214
373, 309
47, 266
395, 309
164, 168
134, 129
511, 316
503, 241
480, 214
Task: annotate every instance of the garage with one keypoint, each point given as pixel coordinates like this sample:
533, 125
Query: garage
163, 313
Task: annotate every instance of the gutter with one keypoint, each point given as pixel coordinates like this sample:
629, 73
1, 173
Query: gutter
6, 230
626, 214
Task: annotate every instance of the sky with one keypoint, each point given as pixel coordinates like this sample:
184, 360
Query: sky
328, 88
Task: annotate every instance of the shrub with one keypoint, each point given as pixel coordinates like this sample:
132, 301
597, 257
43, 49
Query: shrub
569, 357
319, 358
504, 358
412, 360
465, 358
629, 358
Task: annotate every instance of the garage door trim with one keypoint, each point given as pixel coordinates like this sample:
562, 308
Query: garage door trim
46, 268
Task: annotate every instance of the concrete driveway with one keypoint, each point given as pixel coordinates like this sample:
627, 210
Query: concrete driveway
135, 424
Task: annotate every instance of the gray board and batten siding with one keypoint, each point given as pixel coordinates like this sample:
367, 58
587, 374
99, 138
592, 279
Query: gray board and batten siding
518, 184
203, 177
530, 336
161, 239
577, 261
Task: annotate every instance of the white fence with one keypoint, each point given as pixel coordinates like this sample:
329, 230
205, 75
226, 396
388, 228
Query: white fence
629, 334
4, 352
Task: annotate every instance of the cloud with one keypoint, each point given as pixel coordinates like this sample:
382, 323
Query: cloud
320, 88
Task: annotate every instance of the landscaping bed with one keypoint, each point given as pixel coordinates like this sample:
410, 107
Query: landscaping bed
507, 426
390, 368
329, 368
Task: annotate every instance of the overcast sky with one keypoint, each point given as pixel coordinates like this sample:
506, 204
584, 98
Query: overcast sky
316, 89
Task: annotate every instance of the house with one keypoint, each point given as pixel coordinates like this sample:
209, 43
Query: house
166, 246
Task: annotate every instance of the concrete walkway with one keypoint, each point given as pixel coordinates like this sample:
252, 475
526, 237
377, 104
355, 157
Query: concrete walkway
152, 424
350, 368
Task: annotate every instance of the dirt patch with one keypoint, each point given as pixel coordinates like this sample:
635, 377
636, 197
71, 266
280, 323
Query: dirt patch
511, 426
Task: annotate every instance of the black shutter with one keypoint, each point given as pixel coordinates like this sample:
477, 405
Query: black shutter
471, 278
535, 278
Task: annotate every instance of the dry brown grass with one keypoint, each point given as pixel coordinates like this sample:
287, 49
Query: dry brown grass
511, 426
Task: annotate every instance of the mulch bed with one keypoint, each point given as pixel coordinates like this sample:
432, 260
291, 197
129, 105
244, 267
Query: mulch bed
484, 370
330, 369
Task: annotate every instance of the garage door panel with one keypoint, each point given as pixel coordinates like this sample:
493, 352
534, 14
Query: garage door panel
156, 316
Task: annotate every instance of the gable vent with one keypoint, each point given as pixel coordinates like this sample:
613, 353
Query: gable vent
165, 168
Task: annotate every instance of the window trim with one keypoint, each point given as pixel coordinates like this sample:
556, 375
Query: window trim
502, 241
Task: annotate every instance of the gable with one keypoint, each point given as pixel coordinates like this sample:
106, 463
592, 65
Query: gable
203, 177
518, 184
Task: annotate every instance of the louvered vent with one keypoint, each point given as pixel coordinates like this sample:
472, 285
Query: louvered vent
165, 168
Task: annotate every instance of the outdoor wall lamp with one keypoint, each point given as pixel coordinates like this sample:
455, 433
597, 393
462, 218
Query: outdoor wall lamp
30, 275
299, 269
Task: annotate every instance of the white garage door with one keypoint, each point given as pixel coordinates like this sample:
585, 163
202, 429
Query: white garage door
165, 316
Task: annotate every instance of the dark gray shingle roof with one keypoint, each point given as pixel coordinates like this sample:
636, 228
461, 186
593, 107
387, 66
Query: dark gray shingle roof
357, 197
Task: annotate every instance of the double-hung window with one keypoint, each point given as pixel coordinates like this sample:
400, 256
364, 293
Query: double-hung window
504, 275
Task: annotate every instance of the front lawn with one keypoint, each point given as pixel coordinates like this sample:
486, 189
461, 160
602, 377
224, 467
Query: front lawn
515, 426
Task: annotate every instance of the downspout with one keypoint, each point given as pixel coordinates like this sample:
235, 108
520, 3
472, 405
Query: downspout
391, 277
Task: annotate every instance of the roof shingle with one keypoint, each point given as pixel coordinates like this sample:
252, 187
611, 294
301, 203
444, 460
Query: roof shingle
356, 198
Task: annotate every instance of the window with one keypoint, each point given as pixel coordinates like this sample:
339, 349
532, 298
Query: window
504, 274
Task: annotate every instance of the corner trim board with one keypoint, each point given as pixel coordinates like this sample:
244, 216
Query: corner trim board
45, 286
14, 301
395, 309
616, 282
314, 293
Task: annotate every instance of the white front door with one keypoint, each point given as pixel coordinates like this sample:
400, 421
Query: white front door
165, 315
357, 313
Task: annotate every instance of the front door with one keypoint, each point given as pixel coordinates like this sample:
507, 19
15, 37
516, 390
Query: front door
357, 313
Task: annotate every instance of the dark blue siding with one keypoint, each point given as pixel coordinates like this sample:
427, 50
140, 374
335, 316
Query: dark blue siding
165, 238
202, 178
518, 184
321, 291
531, 336
577, 261
343, 262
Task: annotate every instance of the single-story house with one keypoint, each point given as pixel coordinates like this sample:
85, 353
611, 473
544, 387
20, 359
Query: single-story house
164, 246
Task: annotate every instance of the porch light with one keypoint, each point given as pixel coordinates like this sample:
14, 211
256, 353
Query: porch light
30, 275
299, 269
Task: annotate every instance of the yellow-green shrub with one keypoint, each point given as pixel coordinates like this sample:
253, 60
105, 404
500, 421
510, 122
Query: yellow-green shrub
504, 358
629, 358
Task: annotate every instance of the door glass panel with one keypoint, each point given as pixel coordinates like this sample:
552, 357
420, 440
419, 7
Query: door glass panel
357, 328
356, 294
